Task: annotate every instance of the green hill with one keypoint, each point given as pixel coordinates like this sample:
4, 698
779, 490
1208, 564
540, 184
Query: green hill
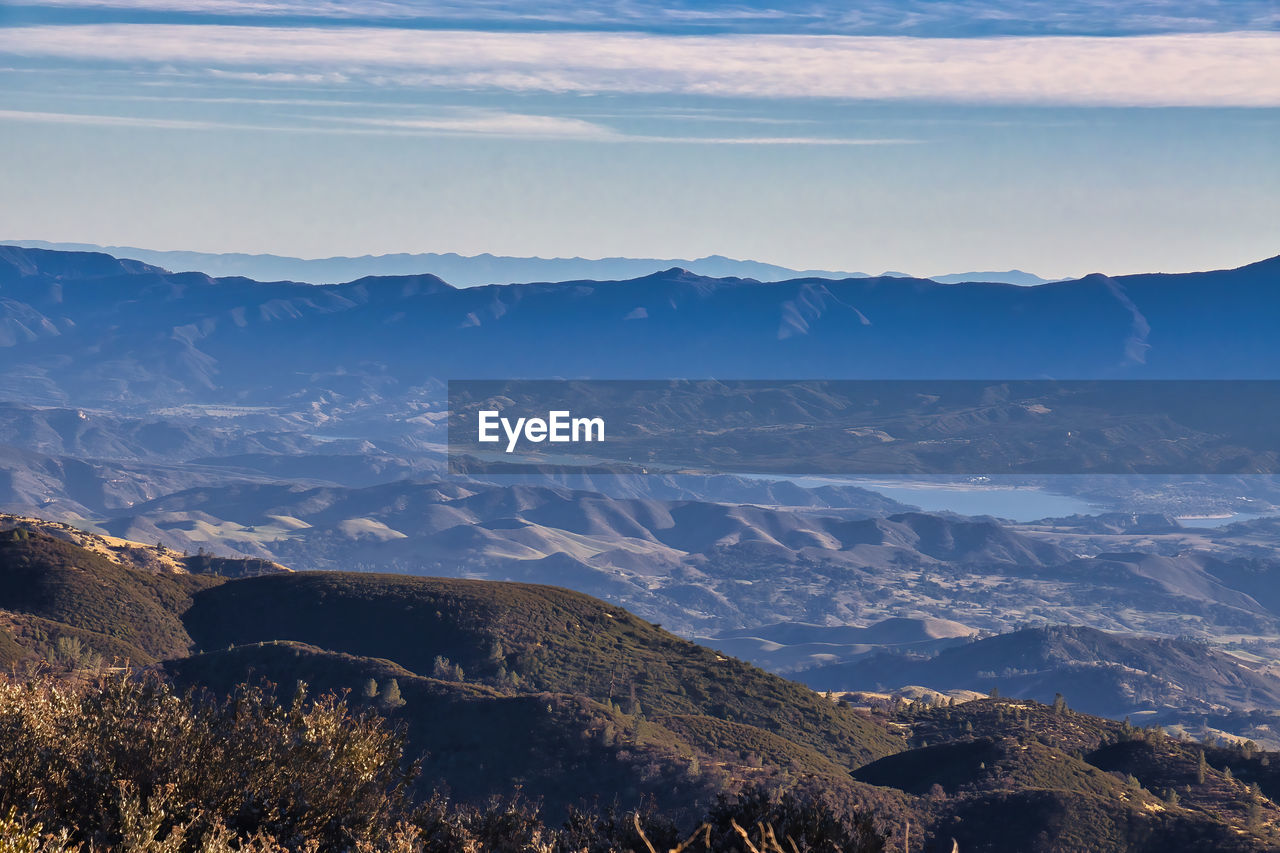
479, 742
60, 582
535, 637
1013, 775
989, 763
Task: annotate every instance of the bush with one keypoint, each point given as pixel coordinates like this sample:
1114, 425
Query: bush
806, 822
90, 759
127, 764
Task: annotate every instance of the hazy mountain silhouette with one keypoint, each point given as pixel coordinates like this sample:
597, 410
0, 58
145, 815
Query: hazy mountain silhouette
472, 270
89, 327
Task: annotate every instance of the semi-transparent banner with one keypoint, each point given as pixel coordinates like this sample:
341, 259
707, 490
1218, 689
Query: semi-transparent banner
871, 427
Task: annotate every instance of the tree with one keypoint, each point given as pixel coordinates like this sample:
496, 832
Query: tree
389, 697
1060, 705
369, 691
497, 654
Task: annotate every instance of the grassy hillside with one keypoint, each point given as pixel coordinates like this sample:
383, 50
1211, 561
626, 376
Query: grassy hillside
64, 583
1061, 780
532, 637
10, 651
989, 763
563, 750
480, 743
70, 646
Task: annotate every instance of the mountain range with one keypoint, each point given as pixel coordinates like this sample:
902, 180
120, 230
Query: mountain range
89, 329
473, 270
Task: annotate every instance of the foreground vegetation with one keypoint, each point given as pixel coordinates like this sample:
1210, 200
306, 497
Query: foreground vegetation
124, 763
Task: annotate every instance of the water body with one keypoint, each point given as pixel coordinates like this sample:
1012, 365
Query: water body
1016, 504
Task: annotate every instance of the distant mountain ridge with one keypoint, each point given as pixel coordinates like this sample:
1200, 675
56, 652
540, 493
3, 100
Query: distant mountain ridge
92, 329
474, 270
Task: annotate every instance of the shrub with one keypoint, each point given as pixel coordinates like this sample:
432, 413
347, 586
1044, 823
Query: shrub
127, 764
90, 759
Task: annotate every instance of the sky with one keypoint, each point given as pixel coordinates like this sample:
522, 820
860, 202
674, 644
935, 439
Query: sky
1061, 137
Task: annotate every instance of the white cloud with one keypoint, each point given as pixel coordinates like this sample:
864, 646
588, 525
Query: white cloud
899, 17
491, 123
1224, 69
319, 78
319, 8
109, 120
477, 123
485, 123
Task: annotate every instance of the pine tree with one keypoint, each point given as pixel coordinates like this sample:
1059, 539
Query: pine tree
389, 697
369, 691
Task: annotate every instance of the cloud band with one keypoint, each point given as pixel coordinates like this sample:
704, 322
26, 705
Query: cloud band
1223, 69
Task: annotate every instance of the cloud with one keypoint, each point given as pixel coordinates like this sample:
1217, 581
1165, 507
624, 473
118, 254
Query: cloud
884, 17
474, 123
316, 77
493, 123
1224, 69
482, 123
112, 121
469, 123
318, 8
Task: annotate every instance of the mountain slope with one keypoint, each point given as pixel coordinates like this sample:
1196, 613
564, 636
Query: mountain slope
550, 639
63, 583
1101, 673
105, 596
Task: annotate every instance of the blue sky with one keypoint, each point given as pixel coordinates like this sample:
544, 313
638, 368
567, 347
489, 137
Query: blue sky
929, 136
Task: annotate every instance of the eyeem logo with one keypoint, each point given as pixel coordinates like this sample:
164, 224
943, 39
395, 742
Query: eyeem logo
558, 428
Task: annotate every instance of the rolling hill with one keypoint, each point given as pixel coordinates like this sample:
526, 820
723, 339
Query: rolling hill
550, 640
568, 698
1105, 674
